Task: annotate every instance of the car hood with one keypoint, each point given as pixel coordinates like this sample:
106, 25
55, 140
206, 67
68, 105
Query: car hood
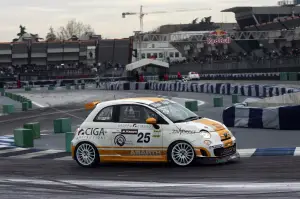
201, 124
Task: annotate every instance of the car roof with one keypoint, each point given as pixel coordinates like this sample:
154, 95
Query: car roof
144, 100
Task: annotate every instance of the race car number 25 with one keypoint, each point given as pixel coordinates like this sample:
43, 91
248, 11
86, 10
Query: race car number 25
143, 137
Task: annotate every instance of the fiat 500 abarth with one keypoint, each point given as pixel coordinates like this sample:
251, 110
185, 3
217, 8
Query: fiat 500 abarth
150, 130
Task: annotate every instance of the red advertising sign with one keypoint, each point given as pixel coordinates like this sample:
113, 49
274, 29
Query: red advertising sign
218, 37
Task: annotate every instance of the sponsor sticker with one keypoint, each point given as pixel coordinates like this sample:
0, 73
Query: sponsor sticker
183, 131
156, 133
129, 131
91, 133
121, 140
131, 125
145, 153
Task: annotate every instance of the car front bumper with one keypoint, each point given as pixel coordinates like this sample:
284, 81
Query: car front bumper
219, 160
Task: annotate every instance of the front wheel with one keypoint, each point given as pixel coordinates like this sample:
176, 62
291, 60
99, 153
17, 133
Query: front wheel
86, 155
182, 154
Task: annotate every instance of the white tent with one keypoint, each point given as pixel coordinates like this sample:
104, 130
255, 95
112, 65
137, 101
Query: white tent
145, 62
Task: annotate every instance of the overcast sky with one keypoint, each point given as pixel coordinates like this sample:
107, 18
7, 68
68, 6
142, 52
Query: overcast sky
105, 15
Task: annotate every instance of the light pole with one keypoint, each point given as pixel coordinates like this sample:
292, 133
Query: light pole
138, 38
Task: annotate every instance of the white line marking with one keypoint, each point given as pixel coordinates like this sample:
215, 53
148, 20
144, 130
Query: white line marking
4, 145
36, 154
13, 150
297, 151
6, 140
67, 158
35, 181
68, 114
219, 186
46, 114
246, 153
39, 105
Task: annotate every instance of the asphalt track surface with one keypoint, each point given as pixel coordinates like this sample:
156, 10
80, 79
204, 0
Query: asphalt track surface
250, 178
257, 177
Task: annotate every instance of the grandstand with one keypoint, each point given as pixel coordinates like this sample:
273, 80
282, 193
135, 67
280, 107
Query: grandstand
265, 39
46, 60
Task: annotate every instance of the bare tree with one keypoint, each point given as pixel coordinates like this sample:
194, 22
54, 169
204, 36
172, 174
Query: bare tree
51, 36
73, 29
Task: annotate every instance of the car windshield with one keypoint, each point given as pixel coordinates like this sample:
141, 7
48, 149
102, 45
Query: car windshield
175, 112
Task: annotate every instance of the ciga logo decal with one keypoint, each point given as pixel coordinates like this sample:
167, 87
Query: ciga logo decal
120, 140
91, 133
81, 132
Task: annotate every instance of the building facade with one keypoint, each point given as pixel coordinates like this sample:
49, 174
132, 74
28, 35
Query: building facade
160, 50
65, 52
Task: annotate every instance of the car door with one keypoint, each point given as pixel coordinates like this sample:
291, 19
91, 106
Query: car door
100, 131
135, 140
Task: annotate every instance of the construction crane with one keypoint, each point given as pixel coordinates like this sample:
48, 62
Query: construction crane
142, 14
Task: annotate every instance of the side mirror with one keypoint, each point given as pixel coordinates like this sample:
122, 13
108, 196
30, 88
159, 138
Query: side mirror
151, 120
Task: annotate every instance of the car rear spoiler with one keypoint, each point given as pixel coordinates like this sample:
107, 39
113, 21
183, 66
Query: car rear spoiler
91, 105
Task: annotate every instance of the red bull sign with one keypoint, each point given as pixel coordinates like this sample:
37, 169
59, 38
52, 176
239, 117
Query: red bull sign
218, 37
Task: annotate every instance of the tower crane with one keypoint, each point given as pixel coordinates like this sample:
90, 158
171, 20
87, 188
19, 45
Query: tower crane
142, 14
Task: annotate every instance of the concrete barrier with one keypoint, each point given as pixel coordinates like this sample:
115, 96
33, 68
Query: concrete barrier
68, 138
2, 91
51, 88
23, 138
8, 108
14, 97
35, 127
24, 106
192, 105
29, 104
218, 101
235, 99
62, 125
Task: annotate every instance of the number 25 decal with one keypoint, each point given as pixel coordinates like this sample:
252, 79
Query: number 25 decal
143, 138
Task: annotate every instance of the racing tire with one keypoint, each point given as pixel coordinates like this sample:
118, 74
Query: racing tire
181, 154
86, 155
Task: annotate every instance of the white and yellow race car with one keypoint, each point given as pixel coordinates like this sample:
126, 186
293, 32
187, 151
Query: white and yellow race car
150, 130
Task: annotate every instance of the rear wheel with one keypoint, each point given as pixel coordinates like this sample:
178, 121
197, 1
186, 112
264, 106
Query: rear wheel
181, 154
86, 155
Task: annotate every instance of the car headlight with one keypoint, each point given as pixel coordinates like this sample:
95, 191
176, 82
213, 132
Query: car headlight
230, 133
207, 142
205, 134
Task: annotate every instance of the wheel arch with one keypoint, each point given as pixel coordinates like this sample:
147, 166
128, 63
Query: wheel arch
97, 155
173, 143
85, 141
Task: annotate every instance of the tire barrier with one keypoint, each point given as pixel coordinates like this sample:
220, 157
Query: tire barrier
56, 87
239, 115
283, 118
282, 76
251, 90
